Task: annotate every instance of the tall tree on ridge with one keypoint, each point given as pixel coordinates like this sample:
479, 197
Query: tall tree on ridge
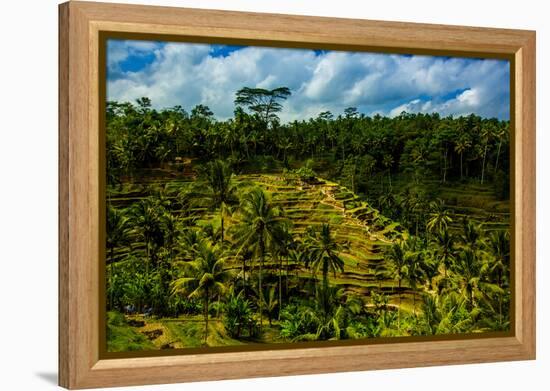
265, 103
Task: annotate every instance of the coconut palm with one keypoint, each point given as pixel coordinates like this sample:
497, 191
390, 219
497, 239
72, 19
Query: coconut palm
499, 247
323, 253
487, 134
469, 271
461, 146
221, 194
118, 230
260, 226
204, 277
269, 301
146, 216
280, 252
445, 248
387, 162
414, 274
397, 269
501, 134
471, 235
444, 315
330, 312
118, 233
238, 313
439, 217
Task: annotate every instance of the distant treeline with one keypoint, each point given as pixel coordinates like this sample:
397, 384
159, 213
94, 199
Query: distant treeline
351, 146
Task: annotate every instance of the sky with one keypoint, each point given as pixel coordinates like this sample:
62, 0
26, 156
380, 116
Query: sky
187, 74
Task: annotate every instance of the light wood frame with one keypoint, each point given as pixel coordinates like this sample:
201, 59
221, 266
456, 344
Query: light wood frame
80, 23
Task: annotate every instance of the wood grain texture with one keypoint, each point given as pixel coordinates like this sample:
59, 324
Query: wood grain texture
79, 168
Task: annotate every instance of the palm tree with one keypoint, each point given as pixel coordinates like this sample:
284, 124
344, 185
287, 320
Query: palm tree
471, 234
218, 178
280, 252
462, 145
238, 313
470, 270
414, 273
499, 247
445, 248
397, 269
501, 134
486, 135
323, 253
430, 266
171, 227
147, 220
269, 302
204, 277
387, 162
118, 232
260, 226
439, 217
444, 314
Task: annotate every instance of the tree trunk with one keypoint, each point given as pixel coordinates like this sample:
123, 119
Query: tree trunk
111, 273
147, 256
206, 318
286, 276
483, 163
399, 307
461, 177
221, 221
445, 166
260, 292
414, 303
244, 277
280, 287
498, 154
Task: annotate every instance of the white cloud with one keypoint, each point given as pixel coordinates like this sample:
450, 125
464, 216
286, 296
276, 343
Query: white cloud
188, 74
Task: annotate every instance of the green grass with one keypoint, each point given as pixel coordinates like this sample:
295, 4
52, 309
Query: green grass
121, 337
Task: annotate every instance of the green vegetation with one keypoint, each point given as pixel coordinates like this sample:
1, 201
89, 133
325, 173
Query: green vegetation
252, 231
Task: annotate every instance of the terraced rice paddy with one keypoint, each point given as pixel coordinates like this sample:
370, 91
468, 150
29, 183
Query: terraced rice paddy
363, 230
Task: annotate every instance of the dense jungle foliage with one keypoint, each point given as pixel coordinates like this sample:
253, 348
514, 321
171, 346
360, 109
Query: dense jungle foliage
249, 230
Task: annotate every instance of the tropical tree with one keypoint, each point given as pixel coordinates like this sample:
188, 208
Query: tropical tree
444, 314
471, 235
397, 269
238, 314
270, 304
501, 135
260, 226
218, 177
323, 252
204, 277
439, 217
461, 146
499, 248
469, 272
487, 134
445, 248
119, 229
146, 217
265, 103
387, 162
414, 274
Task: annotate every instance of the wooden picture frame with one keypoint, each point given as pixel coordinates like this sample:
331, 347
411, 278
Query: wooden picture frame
80, 249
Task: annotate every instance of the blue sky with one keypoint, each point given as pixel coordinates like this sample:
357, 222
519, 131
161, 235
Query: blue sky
189, 74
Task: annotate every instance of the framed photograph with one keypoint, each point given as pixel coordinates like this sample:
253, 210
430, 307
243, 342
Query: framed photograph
246, 195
